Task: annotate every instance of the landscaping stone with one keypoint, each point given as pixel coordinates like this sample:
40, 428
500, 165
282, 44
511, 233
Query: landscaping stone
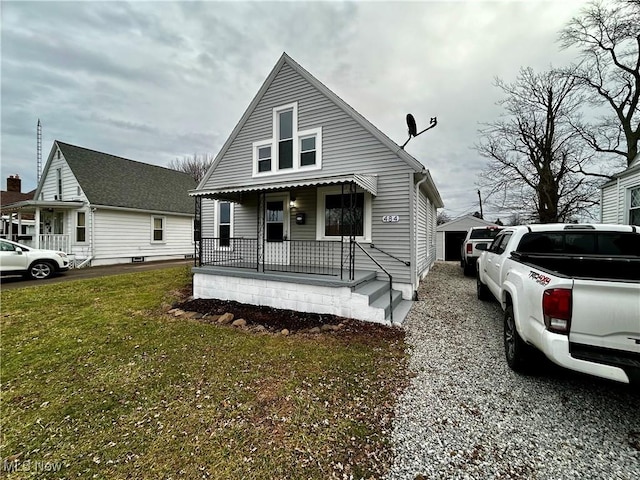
226, 318
284, 332
177, 312
241, 322
314, 330
259, 328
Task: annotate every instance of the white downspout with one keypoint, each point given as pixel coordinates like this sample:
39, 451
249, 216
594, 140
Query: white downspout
417, 231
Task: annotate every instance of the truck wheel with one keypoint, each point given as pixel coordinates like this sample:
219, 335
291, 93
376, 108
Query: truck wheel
40, 269
482, 290
467, 269
518, 353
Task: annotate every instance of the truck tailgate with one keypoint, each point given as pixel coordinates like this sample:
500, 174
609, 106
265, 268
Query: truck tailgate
606, 314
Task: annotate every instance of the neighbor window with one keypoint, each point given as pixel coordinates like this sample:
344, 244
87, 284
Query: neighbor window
81, 227
634, 207
224, 223
59, 183
158, 229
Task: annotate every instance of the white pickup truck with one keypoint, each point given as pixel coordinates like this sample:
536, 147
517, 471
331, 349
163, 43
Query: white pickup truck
569, 291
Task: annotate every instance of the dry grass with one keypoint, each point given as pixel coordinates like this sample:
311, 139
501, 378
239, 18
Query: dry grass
97, 381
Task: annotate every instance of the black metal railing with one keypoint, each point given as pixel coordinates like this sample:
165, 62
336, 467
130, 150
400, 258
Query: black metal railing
316, 257
385, 271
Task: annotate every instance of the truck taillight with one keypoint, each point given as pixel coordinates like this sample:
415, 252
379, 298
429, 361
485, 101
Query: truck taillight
556, 307
469, 248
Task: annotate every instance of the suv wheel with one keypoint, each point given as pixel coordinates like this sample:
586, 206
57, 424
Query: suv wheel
40, 269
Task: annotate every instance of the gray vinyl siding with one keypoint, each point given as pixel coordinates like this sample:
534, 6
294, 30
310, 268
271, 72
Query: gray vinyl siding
347, 148
208, 222
422, 225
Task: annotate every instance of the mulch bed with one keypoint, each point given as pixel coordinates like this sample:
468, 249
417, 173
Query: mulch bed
276, 319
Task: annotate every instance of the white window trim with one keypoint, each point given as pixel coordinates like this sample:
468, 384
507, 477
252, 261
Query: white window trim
164, 229
86, 217
320, 218
297, 136
628, 203
216, 223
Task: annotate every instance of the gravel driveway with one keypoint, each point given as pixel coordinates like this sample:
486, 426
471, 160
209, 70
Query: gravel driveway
467, 415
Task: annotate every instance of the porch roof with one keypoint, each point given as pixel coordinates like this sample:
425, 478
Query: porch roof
368, 182
31, 205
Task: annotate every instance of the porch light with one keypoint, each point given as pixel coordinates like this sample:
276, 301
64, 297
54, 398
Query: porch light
292, 202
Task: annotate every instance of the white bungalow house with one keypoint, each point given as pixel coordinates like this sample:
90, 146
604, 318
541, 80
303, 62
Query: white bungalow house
314, 209
620, 197
102, 209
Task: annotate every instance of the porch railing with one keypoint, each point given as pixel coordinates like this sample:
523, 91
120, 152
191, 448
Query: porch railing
319, 257
58, 242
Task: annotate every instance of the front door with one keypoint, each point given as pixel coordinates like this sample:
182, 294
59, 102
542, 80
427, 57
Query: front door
276, 229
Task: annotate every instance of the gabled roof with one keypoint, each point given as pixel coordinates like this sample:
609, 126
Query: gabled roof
118, 182
366, 124
632, 169
463, 223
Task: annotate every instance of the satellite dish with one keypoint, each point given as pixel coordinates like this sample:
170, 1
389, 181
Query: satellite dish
411, 123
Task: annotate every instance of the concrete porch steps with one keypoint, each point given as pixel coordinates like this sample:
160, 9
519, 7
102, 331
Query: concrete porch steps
378, 293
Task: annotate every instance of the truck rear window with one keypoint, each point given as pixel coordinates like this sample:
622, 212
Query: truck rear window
484, 233
581, 243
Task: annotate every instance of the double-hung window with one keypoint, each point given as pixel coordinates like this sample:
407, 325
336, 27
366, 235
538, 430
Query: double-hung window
224, 224
634, 206
81, 227
308, 151
264, 158
285, 139
158, 225
59, 183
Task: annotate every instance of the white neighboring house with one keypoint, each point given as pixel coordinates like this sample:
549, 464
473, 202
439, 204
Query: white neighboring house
450, 235
620, 197
102, 209
315, 209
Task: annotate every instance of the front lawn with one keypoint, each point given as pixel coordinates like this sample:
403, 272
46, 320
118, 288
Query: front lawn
98, 382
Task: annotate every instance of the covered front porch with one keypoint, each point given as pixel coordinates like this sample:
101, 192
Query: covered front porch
48, 224
296, 245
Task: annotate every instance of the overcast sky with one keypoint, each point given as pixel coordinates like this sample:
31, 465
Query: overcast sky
152, 81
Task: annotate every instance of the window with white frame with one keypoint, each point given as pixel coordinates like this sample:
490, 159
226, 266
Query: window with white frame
634, 206
342, 214
81, 227
59, 183
289, 150
158, 226
225, 223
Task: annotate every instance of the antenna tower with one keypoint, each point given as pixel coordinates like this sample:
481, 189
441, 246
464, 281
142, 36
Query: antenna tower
39, 153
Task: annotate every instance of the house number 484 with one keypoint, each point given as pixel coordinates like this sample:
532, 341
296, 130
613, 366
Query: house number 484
391, 219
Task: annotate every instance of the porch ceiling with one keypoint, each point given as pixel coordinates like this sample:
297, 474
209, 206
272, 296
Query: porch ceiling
368, 182
30, 206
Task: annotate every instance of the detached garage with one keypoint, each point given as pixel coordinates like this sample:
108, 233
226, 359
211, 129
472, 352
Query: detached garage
450, 235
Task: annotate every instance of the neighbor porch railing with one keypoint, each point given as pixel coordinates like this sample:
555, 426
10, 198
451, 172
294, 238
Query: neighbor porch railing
58, 242
318, 257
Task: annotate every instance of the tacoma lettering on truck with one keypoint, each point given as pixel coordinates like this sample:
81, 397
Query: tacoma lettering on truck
539, 278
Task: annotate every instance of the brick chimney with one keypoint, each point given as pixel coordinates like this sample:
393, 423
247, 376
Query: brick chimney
14, 183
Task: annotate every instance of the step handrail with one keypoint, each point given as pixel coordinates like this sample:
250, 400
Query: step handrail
407, 264
388, 274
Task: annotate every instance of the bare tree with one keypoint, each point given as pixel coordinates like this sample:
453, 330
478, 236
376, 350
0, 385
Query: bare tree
442, 217
196, 166
608, 36
533, 151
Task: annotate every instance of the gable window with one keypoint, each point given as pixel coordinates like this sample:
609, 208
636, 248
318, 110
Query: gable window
342, 214
634, 206
289, 150
285, 139
81, 227
264, 158
59, 183
307, 151
224, 223
158, 224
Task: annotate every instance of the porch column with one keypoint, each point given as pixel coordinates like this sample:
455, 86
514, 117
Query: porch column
19, 225
37, 220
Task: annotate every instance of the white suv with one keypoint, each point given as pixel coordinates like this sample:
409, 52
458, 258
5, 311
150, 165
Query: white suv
16, 259
469, 253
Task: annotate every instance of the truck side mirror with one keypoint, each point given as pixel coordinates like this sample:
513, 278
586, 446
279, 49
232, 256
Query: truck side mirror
482, 246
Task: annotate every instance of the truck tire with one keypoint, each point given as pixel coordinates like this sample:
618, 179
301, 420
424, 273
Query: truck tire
483, 292
467, 269
41, 269
517, 352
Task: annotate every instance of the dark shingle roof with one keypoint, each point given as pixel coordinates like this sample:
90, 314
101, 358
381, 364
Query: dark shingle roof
7, 197
116, 181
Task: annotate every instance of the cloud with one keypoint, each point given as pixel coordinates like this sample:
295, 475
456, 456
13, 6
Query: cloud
153, 81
